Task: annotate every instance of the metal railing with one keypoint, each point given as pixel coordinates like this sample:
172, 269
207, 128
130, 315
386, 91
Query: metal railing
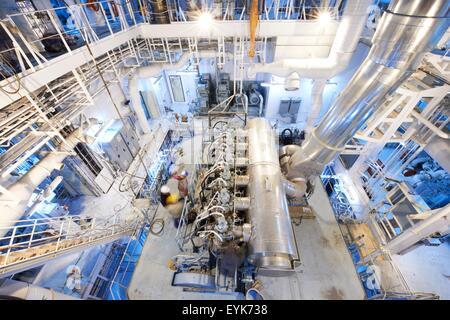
34, 238
270, 10
35, 37
342, 208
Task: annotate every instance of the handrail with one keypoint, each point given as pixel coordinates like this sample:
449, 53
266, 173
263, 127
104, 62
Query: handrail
58, 232
25, 54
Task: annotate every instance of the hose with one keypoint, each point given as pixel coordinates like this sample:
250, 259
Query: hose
160, 222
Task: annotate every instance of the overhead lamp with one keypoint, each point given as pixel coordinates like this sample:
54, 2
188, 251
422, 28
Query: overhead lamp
324, 17
205, 20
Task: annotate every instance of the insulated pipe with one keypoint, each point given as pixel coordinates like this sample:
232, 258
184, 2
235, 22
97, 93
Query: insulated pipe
344, 44
316, 103
242, 203
150, 71
285, 154
18, 290
272, 245
321, 69
292, 82
407, 30
295, 188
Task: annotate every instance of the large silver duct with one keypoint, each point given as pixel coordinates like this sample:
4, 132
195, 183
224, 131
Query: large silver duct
407, 30
272, 245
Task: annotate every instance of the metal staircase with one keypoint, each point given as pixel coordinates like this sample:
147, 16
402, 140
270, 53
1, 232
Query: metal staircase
30, 243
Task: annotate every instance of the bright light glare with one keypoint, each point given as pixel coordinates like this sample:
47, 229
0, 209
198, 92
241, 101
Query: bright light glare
205, 20
324, 17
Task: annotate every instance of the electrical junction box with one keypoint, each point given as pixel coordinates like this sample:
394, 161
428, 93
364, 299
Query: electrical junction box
119, 143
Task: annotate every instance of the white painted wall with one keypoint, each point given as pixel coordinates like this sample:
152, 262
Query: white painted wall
103, 108
189, 87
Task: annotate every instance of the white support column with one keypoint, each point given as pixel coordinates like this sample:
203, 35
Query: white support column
316, 103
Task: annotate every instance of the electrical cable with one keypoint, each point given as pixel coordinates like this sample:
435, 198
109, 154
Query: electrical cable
2, 88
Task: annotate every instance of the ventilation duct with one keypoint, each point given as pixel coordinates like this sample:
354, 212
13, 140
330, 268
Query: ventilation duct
344, 45
292, 82
407, 30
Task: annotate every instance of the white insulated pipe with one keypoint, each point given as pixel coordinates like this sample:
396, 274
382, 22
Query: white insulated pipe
344, 45
272, 246
295, 188
407, 30
316, 103
322, 69
151, 71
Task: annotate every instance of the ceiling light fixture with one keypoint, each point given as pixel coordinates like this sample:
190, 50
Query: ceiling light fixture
205, 20
324, 17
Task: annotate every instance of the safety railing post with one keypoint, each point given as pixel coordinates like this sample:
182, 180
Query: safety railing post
106, 18
57, 28
91, 36
11, 241
30, 242
59, 236
68, 226
114, 223
92, 229
20, 53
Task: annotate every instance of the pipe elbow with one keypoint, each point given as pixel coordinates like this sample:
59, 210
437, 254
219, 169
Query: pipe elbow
295, 188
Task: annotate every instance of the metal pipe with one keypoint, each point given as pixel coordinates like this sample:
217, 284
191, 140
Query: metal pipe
407, 30
350, 28
242, 203
295, 188
253, 25
242, 180
160, 12
272, 245
316, 103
